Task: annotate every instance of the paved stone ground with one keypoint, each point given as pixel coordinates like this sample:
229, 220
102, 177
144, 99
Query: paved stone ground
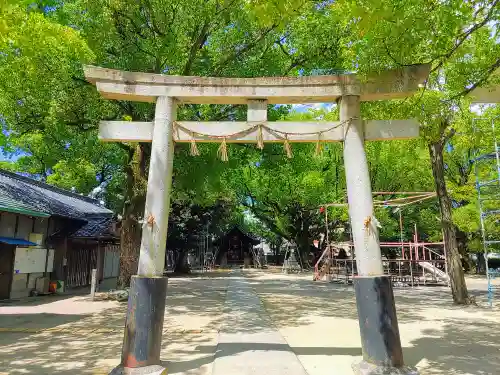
319, 322
285, 313
84, 337
248, 344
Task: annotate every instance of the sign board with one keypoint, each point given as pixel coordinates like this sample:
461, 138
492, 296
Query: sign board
32, 260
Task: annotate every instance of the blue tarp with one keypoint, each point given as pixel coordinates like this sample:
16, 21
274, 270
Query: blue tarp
16, 241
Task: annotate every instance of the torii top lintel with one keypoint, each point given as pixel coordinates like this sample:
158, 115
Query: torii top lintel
146, 87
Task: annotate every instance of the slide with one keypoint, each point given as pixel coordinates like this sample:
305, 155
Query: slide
434, 270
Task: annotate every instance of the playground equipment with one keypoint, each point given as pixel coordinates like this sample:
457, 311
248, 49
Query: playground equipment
259, 257
487, 172
290, 263
418, 262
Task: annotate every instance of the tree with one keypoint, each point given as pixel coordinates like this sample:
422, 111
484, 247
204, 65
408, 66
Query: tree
43, 104
459, 40
286, 194
191, 225
211, 38
49, 106
465, 158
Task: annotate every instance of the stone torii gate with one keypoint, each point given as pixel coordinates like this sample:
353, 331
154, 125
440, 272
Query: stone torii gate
382, 352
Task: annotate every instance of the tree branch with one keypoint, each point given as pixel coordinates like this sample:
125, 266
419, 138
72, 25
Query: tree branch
461, 39
245, 49
196, 45
81, 80
152, 24
480, 81
446, 137
267, 221
117, 14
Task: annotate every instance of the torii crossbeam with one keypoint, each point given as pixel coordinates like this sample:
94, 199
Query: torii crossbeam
376, 310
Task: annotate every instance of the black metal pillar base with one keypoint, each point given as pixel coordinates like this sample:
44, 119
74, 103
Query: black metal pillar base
144, 326
378, 324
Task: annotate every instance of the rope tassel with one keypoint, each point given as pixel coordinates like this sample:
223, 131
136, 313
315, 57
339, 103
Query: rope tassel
260, 138
319, 146
194, 148
287, 147
222, 151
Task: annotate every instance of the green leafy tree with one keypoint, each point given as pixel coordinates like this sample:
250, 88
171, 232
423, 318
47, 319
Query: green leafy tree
459, 40
51, 113
192, 37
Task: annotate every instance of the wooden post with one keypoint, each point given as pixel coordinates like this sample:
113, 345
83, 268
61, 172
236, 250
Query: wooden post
327, 231
100, 262
401, 232
154, 230
417, 250
411, 263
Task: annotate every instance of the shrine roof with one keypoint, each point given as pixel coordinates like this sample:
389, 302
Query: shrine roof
237, 230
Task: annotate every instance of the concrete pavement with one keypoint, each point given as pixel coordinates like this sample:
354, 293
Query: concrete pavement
260, 322
248, 343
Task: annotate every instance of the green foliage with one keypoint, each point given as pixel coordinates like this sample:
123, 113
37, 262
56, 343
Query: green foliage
50, 113
38, 61
46, 108
8, 166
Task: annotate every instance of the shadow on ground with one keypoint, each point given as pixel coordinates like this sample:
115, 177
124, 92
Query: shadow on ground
38, 300
91, 343
318, 320
439, 337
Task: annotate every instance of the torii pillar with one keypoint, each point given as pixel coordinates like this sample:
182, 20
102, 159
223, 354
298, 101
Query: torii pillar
381, 346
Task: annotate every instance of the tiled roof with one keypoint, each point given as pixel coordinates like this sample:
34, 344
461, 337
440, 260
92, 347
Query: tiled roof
95, 227
10, 205
40, 197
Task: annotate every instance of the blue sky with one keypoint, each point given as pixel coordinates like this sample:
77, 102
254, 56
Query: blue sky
306, 107
2, 156
9, 157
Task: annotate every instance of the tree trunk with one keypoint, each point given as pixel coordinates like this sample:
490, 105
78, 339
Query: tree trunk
481, 263
462, 250
130, 239
181, 265
455, 271
303, 245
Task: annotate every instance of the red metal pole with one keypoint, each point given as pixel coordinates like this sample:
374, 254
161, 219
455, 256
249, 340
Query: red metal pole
415, 236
